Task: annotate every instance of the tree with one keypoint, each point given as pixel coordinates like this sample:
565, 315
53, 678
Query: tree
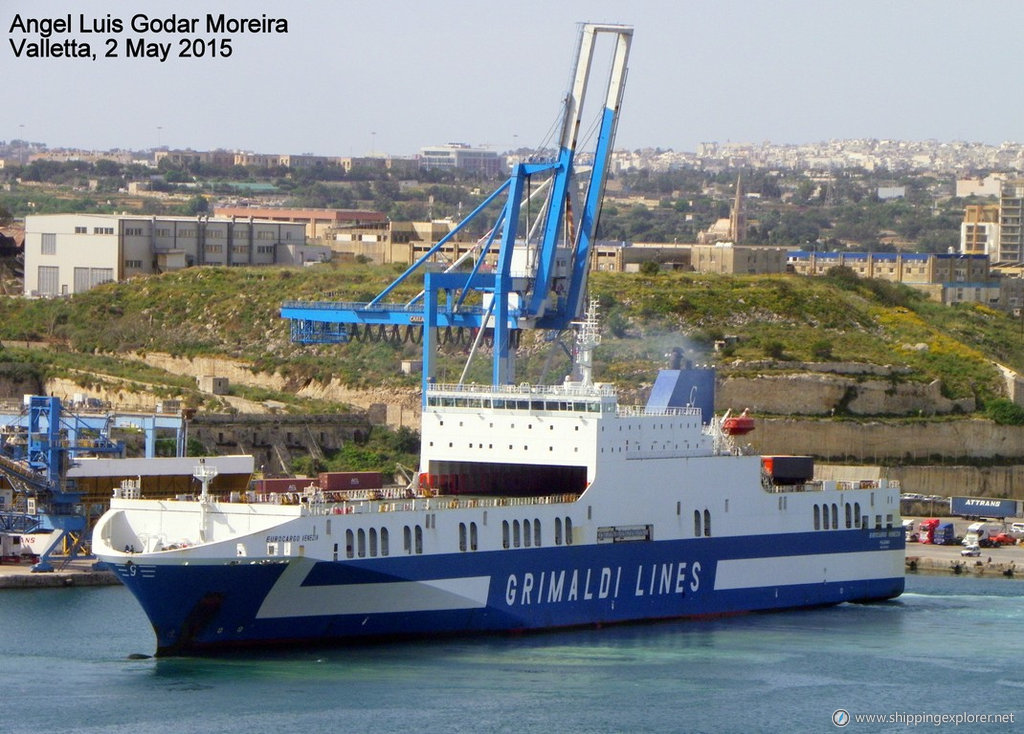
197, 205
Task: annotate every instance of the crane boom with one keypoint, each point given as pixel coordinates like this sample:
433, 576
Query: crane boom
531, 285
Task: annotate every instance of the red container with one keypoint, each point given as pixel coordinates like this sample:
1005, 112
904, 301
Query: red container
336, 481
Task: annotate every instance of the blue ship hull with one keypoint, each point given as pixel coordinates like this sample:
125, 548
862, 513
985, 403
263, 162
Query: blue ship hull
204, 607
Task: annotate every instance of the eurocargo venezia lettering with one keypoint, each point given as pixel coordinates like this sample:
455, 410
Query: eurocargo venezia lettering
552, 587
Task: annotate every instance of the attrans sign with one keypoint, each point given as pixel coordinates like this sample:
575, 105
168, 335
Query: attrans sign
984, 507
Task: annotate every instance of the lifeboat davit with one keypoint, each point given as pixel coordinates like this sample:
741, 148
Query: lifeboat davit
738, 425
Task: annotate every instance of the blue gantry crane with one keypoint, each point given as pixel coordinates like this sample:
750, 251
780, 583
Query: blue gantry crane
538, 278
34, 458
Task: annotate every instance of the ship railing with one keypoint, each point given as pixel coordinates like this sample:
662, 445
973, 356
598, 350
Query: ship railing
628, 411
581, 391
435, 504
833, 485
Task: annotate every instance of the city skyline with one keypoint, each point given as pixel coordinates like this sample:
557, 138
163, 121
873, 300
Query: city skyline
359, 78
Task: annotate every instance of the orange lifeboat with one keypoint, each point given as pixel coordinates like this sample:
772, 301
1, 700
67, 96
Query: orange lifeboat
738, 425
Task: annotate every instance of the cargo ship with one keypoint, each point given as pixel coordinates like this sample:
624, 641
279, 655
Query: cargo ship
535, 506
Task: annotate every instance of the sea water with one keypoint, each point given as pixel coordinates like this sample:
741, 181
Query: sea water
950, 645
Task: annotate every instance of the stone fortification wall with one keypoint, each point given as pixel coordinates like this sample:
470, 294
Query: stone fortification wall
877, 441
831, 387
945, 481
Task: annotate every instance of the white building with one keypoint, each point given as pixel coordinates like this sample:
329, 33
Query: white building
71, 253
462, 156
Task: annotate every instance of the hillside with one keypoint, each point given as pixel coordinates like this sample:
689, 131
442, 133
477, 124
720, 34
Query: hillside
764, 325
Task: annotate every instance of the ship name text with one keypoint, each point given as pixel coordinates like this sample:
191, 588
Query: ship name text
565, 585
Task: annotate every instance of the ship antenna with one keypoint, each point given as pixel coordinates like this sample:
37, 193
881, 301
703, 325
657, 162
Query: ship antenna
588, 336
204, 474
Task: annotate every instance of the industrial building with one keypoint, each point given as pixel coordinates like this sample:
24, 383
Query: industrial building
318, 222
71, 253
945, 277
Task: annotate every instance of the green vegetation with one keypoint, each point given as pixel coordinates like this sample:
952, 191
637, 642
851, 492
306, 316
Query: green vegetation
234, 313
379, 451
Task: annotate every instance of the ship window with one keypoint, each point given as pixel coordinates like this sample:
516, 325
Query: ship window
373, 542
835, 516
335, 551
568, 531
328, 527
558, 531
696, 523
407, 539
462, 536
504, 533
727, 505
361, 540
349, 543
817, 518
856, 514
849, 513
271, 549
526, 533
878, 522
888, 522
707, 523
536, 533
515, 534
419, 539
384, 542
472, 536
824, 516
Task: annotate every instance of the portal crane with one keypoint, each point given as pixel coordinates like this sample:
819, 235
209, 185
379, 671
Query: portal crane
539, 277
34, 460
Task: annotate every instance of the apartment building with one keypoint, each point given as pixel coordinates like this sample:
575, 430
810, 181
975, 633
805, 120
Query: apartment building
71, 253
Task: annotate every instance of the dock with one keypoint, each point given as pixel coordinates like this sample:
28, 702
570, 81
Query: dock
77, 573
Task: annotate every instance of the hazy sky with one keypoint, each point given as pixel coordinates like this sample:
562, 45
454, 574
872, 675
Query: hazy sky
352, 77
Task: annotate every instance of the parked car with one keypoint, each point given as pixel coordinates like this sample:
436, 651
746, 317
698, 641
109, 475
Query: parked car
1003, 539
1017, 529
971, 550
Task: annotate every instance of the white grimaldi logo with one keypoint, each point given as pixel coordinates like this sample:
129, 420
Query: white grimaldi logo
567, 585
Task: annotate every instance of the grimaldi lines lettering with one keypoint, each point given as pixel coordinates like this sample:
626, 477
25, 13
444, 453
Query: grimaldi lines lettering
223, 24
571, 585
47, 48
